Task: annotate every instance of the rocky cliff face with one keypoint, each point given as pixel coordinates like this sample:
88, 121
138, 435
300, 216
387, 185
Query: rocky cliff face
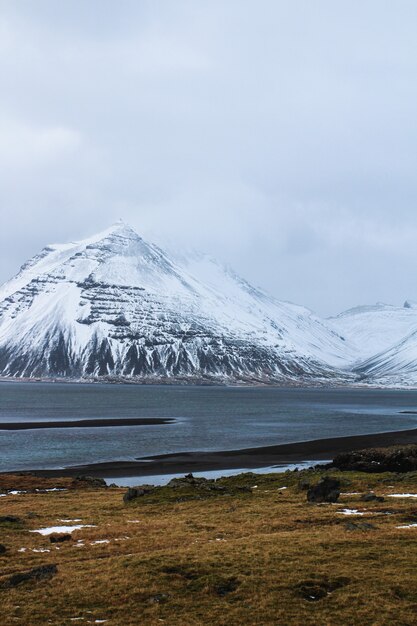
116, 306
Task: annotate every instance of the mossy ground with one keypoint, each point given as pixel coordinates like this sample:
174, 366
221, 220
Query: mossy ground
266, 558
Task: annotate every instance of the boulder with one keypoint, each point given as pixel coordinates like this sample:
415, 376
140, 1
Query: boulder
326, 490
59, 537
137, 492
371, 497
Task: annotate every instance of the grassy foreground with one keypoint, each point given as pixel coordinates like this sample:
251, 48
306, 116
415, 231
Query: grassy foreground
264, 557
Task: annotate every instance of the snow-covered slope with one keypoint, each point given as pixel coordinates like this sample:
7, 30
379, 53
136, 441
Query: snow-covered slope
374, 329
115, 305
384, 339
396, 366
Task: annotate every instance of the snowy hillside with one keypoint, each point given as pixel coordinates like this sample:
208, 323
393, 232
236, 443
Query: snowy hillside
374, 329
115, 305
396, 366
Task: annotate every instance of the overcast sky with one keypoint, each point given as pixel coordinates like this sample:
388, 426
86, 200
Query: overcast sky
279, 136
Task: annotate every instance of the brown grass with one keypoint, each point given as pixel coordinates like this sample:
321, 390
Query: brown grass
226, 560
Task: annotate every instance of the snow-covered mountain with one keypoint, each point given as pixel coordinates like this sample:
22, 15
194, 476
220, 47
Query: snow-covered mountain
384, 339
117, 306
396, 366
376, 328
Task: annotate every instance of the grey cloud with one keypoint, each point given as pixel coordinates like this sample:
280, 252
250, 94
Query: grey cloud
278, 136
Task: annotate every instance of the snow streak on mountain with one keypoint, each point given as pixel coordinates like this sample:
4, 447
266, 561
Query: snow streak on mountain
116, 306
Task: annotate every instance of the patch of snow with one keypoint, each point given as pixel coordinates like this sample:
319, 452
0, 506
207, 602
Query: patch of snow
408, 526
99, 541
61, 529
40, 550
350, 512
402, 495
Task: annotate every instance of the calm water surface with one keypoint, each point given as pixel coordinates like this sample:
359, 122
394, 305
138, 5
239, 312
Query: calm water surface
207, 418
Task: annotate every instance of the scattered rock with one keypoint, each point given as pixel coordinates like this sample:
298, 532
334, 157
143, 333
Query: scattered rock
44, 572
59, 537
3, 549
371, 497
199, 483
326, 490
186, 488
304, 484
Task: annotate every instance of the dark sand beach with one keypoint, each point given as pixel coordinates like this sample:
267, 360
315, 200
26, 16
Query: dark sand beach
90, 423
248, 458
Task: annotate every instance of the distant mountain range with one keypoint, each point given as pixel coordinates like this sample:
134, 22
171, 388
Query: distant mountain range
115, 307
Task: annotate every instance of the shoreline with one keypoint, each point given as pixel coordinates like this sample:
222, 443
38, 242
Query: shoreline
245, 459
318, 384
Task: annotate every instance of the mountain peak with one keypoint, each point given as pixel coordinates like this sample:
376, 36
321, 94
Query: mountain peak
121, 229
121, 226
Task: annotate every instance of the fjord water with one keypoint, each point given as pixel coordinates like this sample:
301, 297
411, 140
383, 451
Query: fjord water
207, 418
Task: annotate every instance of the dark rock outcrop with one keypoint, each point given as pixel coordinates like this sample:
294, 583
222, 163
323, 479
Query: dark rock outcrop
392, 459
326, 490
137, 492
185, 488
93, 481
